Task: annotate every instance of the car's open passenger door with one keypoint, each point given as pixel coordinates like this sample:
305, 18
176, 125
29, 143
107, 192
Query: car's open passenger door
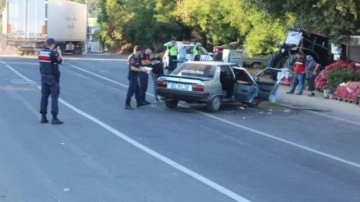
268, 84
245, 88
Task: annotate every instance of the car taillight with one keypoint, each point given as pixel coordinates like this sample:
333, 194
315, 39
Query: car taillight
161, 84
199, 88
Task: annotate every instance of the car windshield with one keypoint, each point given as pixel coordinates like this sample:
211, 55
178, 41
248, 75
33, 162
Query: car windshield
195, 70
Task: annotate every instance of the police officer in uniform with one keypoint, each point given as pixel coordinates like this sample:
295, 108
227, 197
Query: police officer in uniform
133, 76
196, 52
49, 59
173, 52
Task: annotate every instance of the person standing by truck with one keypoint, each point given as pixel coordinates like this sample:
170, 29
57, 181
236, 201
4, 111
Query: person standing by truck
50, 58
311, 68
299, 72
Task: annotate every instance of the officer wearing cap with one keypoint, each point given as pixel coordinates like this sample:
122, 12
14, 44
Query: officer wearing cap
49, 59
133, 76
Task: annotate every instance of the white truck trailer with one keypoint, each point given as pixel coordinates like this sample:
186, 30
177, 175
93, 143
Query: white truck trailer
27, 23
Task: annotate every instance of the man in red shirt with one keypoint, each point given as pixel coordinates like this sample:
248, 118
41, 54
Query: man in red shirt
299, 72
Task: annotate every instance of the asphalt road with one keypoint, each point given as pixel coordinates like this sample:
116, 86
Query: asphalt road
151, 154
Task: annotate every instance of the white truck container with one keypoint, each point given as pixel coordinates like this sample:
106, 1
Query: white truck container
27, 24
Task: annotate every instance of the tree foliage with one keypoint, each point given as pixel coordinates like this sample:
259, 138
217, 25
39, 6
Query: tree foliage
259, 24
337, 19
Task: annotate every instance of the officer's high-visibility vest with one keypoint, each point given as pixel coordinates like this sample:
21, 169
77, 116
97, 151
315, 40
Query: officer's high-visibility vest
195, 51
173, 51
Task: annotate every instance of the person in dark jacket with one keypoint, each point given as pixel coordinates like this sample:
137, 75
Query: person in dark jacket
158, 70
133, 76
218, 54
50, 58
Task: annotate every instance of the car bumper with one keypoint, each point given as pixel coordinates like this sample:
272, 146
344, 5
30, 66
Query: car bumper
189, 96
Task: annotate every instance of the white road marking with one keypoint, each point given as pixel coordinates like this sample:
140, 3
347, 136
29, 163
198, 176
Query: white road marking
99, 76
98, 59
338, 159
147, 150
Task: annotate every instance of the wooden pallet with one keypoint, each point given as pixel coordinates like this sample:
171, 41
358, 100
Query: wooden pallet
347, 100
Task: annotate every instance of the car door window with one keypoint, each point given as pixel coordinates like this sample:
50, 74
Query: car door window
267, 76
241, 76
226, 72
244, 89
227, 80
267, 83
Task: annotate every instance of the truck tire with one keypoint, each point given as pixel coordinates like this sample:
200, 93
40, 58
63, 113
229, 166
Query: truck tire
214, 104
171, 104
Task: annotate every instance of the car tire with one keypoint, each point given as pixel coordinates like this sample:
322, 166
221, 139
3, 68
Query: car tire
171, 104
255, 65
253, 104
215, 104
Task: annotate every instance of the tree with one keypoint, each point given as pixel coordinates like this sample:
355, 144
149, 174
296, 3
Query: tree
337, 19
211, 22
112, 18
227, 20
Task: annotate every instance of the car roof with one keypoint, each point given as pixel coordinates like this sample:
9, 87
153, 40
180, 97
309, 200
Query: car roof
211, 62
217, 63
182, 43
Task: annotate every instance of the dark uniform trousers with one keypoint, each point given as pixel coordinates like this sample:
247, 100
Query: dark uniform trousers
172, 63
133, 89
143, 82
197, 58
50, 86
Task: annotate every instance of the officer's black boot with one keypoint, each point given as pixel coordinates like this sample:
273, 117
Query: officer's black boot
55, 120
44, 119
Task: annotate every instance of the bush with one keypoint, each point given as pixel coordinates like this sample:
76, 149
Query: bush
337, 76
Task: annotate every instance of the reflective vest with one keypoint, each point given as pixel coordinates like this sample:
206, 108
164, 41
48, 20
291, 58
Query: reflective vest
173, 51
195, 50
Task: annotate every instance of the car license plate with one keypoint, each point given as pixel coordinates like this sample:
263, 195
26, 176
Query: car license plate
179, 86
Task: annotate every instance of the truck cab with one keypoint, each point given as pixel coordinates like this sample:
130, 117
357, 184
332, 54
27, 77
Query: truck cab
310, 43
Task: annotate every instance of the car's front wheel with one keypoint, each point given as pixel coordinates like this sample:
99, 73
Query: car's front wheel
254, 103
215, 104
171, 104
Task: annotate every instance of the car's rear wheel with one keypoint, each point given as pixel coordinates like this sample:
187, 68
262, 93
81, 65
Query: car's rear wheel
215, 104
171, 104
